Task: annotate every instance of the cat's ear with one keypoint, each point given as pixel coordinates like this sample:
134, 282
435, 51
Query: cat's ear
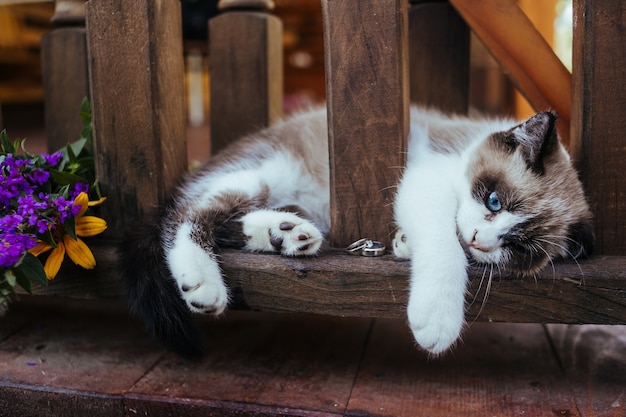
580, 240
537, 138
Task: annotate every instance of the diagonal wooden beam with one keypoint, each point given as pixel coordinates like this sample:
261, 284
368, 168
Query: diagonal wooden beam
524, 54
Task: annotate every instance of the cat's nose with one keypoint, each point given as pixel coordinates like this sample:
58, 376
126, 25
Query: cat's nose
476, 244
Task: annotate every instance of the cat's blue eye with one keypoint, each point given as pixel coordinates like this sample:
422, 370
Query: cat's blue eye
493, 202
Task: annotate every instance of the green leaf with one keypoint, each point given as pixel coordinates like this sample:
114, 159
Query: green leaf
70, 153
65, 178
70, 227
78, 146
25, 283
10, 278
85, 111
6, 145
48, 238
32, 269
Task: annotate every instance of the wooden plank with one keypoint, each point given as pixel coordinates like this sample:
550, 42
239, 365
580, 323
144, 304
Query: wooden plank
439, 45
599, 144
497, 370
366, 59
246, 67
333, 283
66, 83
137, 85
515, 43
594, 362
289, 364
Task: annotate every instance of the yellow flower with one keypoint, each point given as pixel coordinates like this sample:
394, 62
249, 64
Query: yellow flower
77, 250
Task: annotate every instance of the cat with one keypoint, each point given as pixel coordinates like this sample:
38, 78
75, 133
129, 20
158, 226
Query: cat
486, 191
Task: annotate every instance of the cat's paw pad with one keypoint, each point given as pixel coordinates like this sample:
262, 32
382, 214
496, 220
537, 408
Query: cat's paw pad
296, 239
400, 245
284, 232
434, 329
205, 296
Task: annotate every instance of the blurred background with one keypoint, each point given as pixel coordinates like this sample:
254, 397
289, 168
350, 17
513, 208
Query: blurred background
22, 24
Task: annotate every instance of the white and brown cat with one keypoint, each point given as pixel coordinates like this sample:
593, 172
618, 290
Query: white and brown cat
485, 191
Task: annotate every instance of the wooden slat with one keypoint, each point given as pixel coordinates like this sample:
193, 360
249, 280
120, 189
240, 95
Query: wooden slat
599, 122
521, 50
66, 83
343, 285
137, 80
439, 42
246, 67
367, 96
593, 359
496, 370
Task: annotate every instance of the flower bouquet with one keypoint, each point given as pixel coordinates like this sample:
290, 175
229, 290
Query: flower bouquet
44, 203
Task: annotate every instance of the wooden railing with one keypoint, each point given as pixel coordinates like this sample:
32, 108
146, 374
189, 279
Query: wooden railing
373, 69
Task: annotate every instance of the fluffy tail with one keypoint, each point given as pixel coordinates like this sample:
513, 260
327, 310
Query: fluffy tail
152, 294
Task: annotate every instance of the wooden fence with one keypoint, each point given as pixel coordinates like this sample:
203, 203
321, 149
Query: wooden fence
379, 56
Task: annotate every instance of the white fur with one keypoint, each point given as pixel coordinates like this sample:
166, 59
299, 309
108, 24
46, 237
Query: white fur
476, 223
433, 189
262, 225
193, 267
425, 211
197, 274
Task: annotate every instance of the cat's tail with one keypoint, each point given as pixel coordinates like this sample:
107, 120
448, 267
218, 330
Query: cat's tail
153, 296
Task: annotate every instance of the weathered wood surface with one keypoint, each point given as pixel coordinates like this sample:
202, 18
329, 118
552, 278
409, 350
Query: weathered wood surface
593, 291
521, 50
599, 122
66, 83
439, 42
246, 67
137, 83
366, 58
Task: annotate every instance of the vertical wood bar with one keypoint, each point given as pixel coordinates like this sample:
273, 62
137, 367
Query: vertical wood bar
246, 67
599, 115
137, 83
65, 78
439, 46
366, 60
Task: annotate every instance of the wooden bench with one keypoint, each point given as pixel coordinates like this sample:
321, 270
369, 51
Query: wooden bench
373, 69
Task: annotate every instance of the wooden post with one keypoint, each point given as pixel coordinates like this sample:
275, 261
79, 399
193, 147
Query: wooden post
439, 46
65, 78
366, 62
599, 115
246, 68
137, 84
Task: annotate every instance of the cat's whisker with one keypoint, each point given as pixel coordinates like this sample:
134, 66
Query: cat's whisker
480, 285
566, 250
487, 291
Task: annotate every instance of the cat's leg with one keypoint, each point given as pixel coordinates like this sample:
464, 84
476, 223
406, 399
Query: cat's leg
269, 230
195, 269
400, 245
438, 264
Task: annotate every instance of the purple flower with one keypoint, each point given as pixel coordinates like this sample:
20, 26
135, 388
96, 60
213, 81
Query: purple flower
13, 244
53, 159
79, 187
38, 176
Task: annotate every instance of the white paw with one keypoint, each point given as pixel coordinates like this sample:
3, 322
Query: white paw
436, 324
197, 275
284, 232
400, 245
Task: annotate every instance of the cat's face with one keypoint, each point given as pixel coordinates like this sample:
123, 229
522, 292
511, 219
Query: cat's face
525, 204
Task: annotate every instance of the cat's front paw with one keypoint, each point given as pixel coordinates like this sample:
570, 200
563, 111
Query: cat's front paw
284, 232
436, 325
198, 277
400, 245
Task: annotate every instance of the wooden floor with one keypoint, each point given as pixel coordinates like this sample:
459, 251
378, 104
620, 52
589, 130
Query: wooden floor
62, 357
